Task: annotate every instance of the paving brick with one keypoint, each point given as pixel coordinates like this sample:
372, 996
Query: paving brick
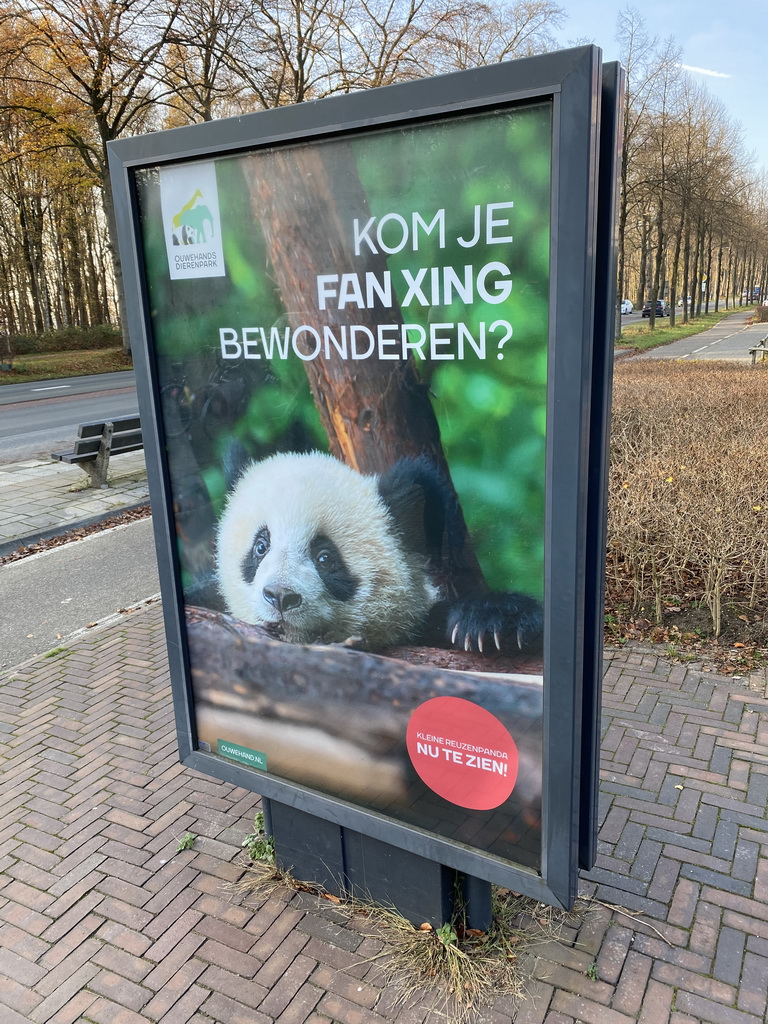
342, 1011
70, 940
223, 1009
77, 958
20, 941
175, 915
19, 968
709, 988
281, 958
231, 959
753, 987
104, 1011
17, 997
175, 988
122, 913
307, 998
729, 955
283, 991
630, 994
64, 994
585, 1010
613, 953
225, 933
74, 1009
683, 903
705, 929
578, 982
701, 1009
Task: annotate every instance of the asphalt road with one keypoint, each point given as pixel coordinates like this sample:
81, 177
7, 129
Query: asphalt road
35, 391
52, 596
41, 417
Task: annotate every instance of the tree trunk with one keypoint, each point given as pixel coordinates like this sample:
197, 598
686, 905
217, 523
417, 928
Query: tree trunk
675, 270
109, 213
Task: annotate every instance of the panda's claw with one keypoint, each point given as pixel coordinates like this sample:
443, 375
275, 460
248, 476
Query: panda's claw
493, 624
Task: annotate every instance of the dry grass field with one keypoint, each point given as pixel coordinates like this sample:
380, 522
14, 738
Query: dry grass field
55, 365
688, 506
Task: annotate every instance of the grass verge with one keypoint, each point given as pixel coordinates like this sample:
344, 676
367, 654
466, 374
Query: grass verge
55, 365
640, 337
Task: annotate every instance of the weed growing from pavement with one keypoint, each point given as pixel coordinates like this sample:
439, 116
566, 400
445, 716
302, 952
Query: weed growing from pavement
259, 846
186, 842
455, 969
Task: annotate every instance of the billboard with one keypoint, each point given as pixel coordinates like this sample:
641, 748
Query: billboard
363, 330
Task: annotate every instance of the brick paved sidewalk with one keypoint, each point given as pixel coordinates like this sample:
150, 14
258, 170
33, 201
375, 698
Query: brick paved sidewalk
37, 496
102, 920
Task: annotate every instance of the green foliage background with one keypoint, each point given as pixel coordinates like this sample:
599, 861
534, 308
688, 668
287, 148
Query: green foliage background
492, 412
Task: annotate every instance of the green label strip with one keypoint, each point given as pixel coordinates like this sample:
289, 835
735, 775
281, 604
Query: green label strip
253, 758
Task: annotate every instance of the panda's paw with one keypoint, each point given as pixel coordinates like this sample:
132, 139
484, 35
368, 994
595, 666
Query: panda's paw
496, 623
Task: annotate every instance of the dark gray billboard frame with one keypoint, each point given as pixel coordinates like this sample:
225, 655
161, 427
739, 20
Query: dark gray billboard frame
576, 437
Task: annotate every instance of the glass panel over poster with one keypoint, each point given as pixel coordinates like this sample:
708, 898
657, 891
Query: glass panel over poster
350, 343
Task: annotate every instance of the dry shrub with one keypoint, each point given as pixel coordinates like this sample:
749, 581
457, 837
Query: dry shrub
688, 492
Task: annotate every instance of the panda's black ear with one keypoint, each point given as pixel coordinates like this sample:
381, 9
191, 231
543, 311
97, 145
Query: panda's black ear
235, 460
415, 494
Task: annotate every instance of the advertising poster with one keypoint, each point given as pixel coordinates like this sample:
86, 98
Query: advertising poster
350, 341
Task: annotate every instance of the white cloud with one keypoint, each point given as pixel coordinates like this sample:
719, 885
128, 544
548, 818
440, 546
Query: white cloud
704, 71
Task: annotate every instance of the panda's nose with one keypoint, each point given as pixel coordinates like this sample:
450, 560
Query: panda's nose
281, 598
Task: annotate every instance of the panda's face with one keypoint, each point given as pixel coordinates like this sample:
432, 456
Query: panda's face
305, 548
296, 579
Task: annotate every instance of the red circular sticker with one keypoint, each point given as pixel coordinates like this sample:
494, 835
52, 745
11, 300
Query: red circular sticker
462, 752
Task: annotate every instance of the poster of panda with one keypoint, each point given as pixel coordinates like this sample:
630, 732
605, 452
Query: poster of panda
351, 357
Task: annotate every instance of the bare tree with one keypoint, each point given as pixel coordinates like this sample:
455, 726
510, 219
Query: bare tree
200, 59
646, 70
486, 33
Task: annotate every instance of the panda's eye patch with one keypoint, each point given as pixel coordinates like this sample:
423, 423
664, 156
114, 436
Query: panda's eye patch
255, 555
332, 569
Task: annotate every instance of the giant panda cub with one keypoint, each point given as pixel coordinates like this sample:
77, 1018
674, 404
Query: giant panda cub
316, 552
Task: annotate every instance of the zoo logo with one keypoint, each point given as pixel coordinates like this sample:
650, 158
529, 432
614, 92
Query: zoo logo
193, 224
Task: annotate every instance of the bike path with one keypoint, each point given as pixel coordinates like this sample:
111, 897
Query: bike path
730, 339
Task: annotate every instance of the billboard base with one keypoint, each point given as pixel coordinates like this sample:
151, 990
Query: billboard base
352, 865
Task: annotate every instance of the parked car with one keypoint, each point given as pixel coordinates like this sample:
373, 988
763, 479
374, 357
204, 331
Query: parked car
626, 306
661, 308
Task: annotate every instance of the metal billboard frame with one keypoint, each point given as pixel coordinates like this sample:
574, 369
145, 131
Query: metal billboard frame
576, 423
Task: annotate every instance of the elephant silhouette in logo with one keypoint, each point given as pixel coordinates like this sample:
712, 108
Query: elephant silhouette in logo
196, 226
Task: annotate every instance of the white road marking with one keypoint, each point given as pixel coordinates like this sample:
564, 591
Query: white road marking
52, 387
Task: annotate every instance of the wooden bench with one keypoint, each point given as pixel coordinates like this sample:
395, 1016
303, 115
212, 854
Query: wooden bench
762, 348
96, 442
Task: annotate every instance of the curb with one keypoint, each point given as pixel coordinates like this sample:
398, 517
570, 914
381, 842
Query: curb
9, 546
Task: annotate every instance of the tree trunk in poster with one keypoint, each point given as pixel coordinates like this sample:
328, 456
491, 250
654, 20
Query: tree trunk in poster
373, 410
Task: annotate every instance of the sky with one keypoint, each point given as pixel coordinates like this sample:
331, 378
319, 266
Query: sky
724, 46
